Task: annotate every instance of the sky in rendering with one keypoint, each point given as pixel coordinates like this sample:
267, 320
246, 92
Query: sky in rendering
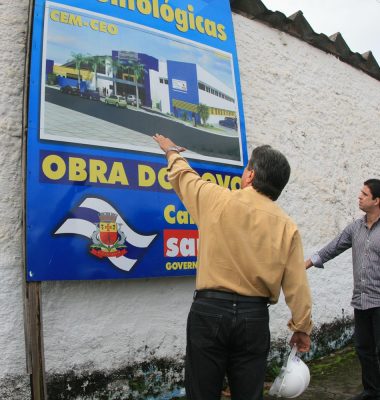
64, 39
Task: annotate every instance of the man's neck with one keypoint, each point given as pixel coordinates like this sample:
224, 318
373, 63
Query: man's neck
372, 217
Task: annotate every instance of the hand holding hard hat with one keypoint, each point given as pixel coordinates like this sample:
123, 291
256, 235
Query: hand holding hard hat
293, 379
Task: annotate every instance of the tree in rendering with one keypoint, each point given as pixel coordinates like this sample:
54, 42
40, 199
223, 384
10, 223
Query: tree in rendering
138, 72
116, 66
204, 112
95, 62
78, 58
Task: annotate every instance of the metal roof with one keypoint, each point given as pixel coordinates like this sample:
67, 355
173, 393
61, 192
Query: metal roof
298, 26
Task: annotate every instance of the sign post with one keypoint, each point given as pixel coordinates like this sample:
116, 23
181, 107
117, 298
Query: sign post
35, 347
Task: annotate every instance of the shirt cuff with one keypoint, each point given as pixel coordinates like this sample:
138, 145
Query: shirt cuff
172, 159
301, 328
316, 260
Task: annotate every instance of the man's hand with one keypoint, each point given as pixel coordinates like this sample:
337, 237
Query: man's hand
301, 340
308, 263
165, 143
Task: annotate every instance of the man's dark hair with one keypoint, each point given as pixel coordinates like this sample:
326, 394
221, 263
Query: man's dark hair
374, 187
272, 171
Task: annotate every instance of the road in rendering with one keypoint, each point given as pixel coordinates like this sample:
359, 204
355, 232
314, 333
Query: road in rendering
148, 123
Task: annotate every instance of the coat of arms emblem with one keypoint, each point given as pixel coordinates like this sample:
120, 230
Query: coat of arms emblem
108, 240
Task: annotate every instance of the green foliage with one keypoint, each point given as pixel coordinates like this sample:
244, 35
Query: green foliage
204, 112
328, 365
273, 370
52, 79
78, 58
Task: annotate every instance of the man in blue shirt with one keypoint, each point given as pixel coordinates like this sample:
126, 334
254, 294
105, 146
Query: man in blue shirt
363, 235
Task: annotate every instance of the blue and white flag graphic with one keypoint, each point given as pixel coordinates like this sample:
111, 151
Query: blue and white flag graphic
83, 220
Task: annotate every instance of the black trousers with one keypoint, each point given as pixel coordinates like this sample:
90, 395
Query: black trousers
367, 343
226, 338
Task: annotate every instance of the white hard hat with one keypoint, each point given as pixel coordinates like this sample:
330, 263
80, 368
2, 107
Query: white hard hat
293, 379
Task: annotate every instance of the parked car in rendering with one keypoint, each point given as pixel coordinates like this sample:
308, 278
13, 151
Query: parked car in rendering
69, 90
229, 122
131, 99
90, 94
115, 100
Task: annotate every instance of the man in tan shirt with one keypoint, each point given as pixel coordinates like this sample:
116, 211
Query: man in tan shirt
249, 249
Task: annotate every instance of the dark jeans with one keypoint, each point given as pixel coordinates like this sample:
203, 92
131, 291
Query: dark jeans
226, 337
367, 343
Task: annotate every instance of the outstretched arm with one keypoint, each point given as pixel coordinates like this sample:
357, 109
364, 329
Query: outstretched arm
337, 246
197, 195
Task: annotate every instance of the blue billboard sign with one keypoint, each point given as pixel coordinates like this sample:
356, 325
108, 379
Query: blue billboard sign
106, 75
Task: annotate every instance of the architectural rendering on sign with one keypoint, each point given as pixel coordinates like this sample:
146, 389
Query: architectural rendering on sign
127, 82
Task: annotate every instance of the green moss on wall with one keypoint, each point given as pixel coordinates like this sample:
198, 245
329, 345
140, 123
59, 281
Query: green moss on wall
163, 379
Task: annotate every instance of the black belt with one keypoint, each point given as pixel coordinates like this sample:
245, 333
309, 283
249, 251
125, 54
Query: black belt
217, 294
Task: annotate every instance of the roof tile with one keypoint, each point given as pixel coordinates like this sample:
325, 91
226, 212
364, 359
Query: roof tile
298, 26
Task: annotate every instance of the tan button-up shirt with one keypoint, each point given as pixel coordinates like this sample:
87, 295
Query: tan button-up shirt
248, 245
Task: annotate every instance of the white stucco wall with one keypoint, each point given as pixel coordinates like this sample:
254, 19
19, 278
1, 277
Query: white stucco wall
322, 113
13, 24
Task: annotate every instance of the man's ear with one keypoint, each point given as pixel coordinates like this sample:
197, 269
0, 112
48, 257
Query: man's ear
251, 176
